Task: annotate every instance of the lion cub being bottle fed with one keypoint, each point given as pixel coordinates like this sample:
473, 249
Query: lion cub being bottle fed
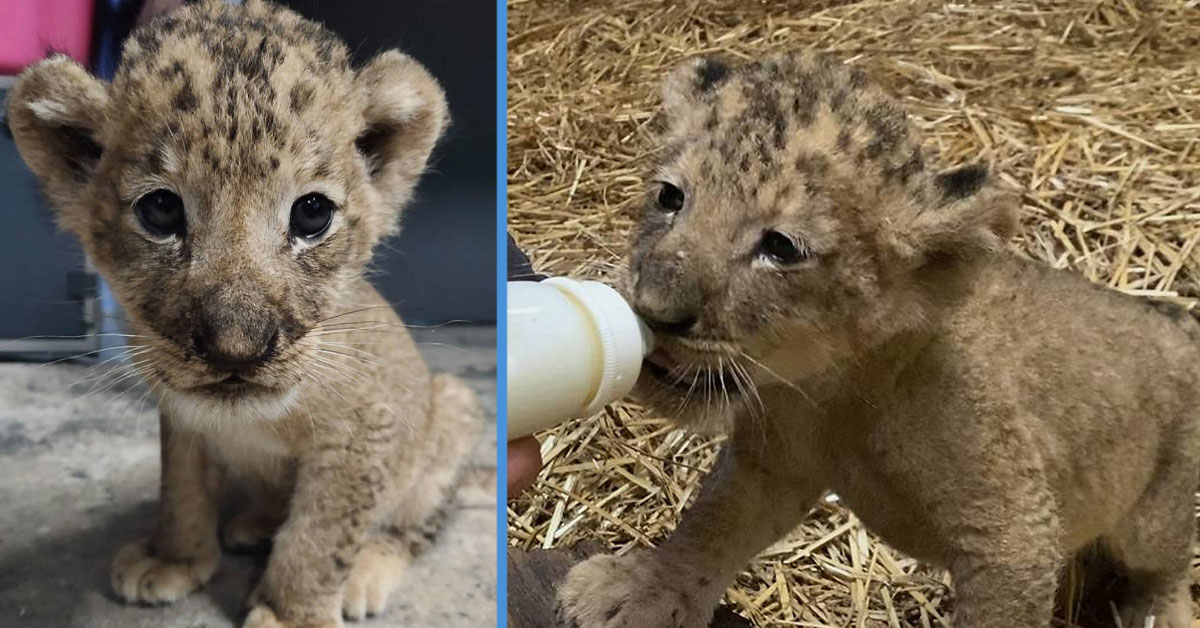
230, 184
980, 411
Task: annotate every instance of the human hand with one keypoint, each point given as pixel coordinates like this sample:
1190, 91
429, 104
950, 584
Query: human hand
524, 463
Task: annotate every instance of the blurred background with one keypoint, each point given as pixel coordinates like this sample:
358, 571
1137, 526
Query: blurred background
440, 268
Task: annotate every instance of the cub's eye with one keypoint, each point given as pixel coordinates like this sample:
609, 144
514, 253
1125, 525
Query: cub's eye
782, 249
311, 215
670, 198
161, 213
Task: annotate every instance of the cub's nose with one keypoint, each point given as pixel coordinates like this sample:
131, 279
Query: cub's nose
235, 346
667, 322
668, 299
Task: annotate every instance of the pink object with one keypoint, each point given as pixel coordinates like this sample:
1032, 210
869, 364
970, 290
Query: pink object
30, 30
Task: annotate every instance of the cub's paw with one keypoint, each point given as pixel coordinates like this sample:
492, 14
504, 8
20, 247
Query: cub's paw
138, 576
633, 592
249, 531
377, 572
263, 617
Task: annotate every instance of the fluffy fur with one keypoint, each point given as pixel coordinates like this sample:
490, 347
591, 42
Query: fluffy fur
349, 445
979, 411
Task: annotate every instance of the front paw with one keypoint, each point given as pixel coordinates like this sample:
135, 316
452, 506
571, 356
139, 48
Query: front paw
262, 616
376, 573
138, 576
634, 591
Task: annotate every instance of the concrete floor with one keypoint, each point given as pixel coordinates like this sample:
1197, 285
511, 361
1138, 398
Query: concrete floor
79, 478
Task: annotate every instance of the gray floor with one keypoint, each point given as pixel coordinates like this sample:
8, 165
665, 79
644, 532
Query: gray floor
79, 478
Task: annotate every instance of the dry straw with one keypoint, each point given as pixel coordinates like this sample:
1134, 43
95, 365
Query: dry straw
1091, 108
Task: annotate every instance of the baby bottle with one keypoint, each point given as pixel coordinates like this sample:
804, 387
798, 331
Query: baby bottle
573, 347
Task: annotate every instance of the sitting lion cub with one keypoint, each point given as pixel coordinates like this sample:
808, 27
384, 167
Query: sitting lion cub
230, 184
980, 411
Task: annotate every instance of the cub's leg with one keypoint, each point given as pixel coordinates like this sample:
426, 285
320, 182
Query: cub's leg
1006, 562
741, 509
339, 488
423, 503
1153, 545
183, 553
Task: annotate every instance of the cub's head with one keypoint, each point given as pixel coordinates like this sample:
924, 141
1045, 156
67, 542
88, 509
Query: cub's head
229, 183
791, 223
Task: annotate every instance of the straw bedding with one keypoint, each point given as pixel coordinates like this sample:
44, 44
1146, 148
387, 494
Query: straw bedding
1090, 107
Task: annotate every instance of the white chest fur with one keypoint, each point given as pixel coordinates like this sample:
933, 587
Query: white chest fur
241, 435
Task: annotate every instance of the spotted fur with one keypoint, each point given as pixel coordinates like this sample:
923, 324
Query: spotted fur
336, 423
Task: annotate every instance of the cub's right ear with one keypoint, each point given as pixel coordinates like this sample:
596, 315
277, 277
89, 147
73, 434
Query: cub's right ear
56, 111
972, 217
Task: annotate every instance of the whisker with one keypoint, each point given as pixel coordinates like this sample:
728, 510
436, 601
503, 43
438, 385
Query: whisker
779, 377
356, 358
85, 354
365, 375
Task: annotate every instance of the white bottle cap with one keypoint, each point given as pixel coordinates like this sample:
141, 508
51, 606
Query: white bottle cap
624, 338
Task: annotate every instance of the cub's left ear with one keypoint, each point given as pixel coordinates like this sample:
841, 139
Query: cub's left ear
970, 216
405, 115
692, 83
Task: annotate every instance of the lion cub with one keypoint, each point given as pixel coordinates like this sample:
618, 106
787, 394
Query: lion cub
979, 411
230, 184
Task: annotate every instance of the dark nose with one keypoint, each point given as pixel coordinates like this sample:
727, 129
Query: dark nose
667, 296
235, 346
680, 324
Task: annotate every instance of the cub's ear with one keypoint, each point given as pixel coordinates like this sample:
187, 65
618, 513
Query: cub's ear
970, 216
56, 112
693, 82
405, 115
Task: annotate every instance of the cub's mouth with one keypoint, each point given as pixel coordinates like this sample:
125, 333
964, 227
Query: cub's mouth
236, 385
676, 375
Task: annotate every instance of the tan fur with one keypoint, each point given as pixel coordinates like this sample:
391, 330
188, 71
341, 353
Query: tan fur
348, 444
979, 411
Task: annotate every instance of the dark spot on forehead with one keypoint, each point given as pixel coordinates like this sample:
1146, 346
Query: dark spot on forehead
148, 41
858, 78
301, 96
154, 159
167, 25
812, 163
888, 123
185, 99
837, 102
843, 139
270, 122
710, 73
172, 70
804, 100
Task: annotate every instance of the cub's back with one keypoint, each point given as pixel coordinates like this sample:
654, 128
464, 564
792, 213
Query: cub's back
1094, 369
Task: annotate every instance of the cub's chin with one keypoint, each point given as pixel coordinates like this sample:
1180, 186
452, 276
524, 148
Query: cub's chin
228, 402
704, 400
